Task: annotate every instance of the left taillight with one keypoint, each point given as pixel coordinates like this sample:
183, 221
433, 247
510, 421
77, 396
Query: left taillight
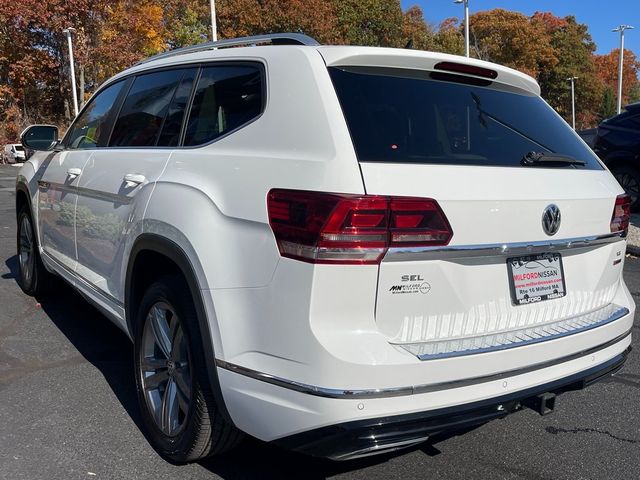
621, 214
320, 227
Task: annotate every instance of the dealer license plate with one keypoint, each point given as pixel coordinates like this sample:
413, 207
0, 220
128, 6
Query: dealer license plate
535, 278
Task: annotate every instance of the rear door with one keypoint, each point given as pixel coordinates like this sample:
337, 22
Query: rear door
531, 245
119, 178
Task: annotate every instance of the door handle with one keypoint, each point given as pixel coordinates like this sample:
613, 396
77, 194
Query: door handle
74, 172
134, 178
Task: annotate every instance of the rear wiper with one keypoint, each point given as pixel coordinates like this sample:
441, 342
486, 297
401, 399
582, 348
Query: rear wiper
541, 159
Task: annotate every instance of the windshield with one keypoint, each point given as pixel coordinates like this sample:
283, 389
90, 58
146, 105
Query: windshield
19, 148
408, 117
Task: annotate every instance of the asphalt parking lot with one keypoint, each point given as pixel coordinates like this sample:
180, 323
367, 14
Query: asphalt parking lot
68, 409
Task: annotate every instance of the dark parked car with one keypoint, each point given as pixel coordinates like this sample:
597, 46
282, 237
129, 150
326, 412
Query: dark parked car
617, 143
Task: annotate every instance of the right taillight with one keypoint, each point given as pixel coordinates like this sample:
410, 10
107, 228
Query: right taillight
621, 214
319, 227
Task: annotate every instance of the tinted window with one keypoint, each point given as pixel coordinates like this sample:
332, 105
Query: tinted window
94, 120
170, 134
416, 119
226, 97
145, 108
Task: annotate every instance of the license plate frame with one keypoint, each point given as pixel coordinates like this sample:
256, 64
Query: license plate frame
541, 276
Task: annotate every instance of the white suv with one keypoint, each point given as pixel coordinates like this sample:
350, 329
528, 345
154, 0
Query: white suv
342, 250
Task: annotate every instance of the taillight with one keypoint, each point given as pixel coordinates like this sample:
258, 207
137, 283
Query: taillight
621, 214
333, 228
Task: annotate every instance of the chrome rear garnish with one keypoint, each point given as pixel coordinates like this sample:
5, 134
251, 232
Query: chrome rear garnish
470, 345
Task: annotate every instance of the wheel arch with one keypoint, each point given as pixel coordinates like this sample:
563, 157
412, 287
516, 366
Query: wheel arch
161, 254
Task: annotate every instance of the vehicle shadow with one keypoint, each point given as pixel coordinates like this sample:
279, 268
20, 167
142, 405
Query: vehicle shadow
98, 340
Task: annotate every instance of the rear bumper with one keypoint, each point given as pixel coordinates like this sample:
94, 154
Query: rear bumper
383, 434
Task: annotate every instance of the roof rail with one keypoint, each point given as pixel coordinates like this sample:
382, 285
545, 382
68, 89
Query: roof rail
272, 38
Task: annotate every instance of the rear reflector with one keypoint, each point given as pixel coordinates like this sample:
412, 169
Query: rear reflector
468, 69
333, 228
621, 214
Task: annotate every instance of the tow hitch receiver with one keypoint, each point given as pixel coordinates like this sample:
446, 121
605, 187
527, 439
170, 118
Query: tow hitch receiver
543, 403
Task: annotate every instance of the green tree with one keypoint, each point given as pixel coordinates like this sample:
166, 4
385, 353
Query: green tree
570, 41
607, 105
370, 22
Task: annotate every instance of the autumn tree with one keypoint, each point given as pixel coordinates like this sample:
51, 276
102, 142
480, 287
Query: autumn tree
416, 30
317, 18
570, 41
511, 39
607, 72
449, 37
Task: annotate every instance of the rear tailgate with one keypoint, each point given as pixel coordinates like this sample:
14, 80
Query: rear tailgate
505, 278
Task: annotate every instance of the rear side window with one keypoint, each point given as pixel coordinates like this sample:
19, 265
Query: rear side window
226, 97
93, 122
416, 119
143, 113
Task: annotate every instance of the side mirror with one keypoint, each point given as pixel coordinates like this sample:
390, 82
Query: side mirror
39, 137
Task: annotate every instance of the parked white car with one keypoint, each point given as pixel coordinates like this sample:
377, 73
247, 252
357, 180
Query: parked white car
14, 153
342, 250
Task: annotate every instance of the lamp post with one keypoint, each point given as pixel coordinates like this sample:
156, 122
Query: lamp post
67, 31
621, 29
573, 101
466, 25
214, 26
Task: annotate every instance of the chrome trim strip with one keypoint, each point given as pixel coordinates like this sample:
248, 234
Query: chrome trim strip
87, 192
504, 340
401, 254
408, 390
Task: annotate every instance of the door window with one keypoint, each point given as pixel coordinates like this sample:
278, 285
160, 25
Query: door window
94, 120
143, 113
226, 98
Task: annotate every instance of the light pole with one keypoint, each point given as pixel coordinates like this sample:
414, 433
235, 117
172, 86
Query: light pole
573, 101
67, 31
214, 26
621, 29
466, 25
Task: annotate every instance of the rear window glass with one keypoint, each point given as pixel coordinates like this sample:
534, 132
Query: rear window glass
416, 119
226, 97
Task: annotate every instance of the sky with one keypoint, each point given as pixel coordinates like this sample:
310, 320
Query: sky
600, 15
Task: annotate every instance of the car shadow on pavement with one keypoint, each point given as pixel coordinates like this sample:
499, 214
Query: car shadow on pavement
97, 339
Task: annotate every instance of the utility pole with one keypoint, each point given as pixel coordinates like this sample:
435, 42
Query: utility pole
621, 29
214, 26
67, 31
466, 25
573, 101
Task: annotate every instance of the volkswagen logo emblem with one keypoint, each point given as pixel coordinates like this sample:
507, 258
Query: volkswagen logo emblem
551, 220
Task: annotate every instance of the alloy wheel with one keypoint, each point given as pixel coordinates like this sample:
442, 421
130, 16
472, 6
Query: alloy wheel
165, 369
26, 251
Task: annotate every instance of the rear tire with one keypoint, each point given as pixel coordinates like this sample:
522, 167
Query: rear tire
34, 279
181, 418
629, 179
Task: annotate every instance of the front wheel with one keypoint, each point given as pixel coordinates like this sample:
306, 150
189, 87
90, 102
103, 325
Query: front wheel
33, 277
179, 411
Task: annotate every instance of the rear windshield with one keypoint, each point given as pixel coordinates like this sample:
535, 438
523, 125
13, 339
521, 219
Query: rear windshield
408, 117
